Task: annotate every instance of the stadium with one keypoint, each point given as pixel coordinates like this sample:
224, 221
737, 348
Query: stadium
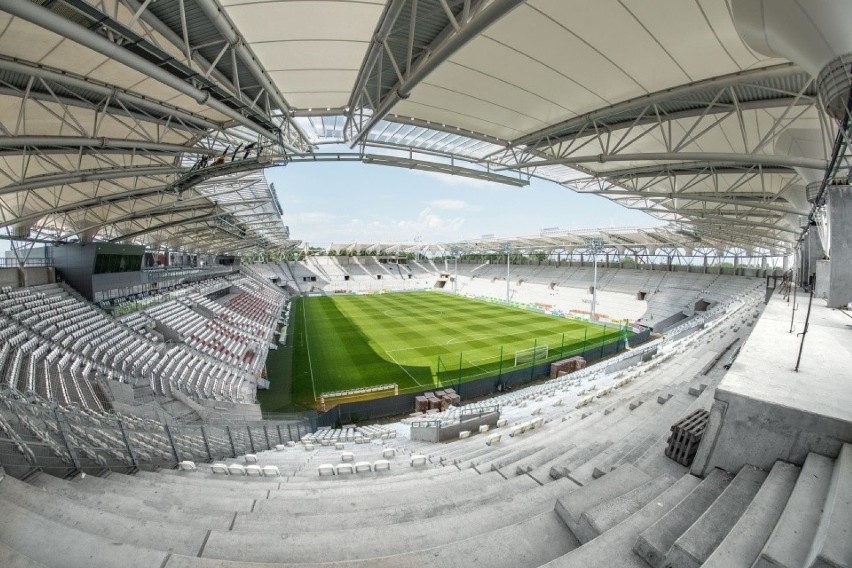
185, 384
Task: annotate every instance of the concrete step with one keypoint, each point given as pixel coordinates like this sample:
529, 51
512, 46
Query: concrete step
131, 506
391, 513
745, 540
832, 544
156, 535
11, 558
378, 498
175, 497
58, 545
527, 544
653, 544
508, 461
615, 546
526, 465
599, 519
341, 486
791, 539
575, 459
365, 542
699, 541
571, 507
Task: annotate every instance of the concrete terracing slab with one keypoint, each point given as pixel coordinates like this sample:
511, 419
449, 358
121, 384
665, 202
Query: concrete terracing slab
764, 410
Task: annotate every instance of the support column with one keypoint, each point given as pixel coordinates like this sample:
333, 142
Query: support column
840, 270
811, 252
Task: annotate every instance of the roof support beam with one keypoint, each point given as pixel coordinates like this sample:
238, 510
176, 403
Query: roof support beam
714, 83
709, 157
45, 18
726, 199
166, 225
24, 142
105, 90
448, 42
168, 209
52, 180
223, 24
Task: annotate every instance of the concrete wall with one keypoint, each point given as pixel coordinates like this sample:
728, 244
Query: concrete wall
9, 277
438, 434
744, 430
840, 212
823, 278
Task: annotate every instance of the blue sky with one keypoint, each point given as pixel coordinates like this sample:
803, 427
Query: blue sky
350, 201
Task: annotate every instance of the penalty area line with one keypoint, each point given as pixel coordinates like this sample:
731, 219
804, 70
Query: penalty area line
404, 370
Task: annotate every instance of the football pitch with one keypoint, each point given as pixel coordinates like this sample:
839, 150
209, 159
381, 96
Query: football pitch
422, 341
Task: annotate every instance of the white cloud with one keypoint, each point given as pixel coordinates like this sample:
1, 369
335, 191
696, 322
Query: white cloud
450, 204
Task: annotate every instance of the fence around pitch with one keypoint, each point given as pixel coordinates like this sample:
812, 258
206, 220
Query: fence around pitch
353, 412
61, 442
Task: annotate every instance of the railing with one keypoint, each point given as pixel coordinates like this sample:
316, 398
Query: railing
62, 442
6, 262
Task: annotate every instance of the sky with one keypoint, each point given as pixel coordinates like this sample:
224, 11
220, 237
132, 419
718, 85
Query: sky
342, 202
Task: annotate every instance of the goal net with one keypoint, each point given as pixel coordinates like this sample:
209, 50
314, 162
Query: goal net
538, 353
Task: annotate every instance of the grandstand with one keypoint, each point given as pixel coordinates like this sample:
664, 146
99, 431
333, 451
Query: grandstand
149, 302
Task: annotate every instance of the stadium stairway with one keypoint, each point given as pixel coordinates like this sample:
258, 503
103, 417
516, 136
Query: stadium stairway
789, 516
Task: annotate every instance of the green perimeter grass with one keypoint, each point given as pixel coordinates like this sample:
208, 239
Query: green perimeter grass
346, 342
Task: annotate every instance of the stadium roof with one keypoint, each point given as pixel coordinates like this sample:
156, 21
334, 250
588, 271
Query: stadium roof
110, 107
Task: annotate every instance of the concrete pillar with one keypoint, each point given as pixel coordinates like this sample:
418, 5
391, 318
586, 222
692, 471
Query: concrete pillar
812, 251
840, 270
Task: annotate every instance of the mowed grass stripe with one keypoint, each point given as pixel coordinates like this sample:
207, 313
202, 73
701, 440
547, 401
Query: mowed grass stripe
358, 341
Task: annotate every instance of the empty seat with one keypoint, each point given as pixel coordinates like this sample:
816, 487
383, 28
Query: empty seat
187, 466
388, 453
236, 469
347, 456
344, 469
219, 468
270, 471
251, 458
280, 447
493, 439
417, 460
254, 471
325, 469
381, 465
363, 467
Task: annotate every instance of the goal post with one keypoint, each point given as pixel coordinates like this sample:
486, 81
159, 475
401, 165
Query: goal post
537, 353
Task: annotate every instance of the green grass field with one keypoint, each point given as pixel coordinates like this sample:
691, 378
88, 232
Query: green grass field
418, 340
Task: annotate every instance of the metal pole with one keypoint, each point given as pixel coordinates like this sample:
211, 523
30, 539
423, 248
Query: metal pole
231, 440
127, 444
206, 444
172, 442
60, 424
535, 349
507, 275
594, 284
805, 330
